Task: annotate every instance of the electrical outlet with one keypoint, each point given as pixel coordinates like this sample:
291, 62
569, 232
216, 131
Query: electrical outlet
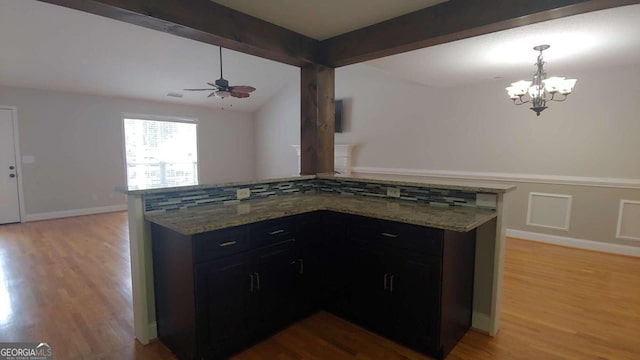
243, 193
393, 192
243, 208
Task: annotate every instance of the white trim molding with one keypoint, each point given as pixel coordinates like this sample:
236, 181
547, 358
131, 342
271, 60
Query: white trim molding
567, 215
75, 212
16, 149
480, 322
622, 183
151, 117
623, 204
153, 330
576, 243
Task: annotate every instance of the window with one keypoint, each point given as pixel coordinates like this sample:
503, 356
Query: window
160, 153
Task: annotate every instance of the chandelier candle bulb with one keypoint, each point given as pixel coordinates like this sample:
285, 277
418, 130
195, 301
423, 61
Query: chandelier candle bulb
567, 86
541, 89
553, 84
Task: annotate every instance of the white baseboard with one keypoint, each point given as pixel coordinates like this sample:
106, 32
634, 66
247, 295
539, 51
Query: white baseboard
576, 243
153, 330
74, 212
511, 177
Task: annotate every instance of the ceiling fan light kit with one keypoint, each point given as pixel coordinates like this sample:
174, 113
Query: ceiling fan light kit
221, 94
221, 88
540, 89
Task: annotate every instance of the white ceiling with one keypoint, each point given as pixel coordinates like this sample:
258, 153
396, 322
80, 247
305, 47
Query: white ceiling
49, 47
599, 39
326, 18
44, 46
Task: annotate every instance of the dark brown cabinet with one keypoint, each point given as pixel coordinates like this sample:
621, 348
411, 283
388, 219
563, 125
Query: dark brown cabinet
273, 290
222, 321
410, 283
312, 256
415, 307
219, 292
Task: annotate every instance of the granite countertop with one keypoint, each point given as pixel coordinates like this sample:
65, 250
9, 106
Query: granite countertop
201, 219
164, 189
494, 188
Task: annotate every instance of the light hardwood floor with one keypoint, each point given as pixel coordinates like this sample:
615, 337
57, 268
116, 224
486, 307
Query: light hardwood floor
67, 282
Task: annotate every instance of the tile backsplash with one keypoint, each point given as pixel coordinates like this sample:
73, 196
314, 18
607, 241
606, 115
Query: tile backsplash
432, 196
176, 200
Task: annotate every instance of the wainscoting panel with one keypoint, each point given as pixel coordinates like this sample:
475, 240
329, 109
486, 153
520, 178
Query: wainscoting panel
629, 220
551, 211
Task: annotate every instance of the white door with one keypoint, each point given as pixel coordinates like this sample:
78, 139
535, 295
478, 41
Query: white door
9, 201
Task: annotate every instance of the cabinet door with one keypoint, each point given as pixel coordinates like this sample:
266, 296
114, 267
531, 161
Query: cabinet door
222, 290
370, 296
273, 299
339, 263
311, 256
416, 292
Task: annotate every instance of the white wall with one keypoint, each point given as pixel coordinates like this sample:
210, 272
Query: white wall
397, 125
77, 143
477, 128
277, 127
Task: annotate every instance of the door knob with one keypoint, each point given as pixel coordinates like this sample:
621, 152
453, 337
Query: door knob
12, 175
11, 167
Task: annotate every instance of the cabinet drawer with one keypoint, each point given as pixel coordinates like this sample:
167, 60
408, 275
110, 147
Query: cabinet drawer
219, 243
272, 232
410, 237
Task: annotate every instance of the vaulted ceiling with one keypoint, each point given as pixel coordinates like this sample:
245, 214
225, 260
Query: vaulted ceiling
324, 19
51, 47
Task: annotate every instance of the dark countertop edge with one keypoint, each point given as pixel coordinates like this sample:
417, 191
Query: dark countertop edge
250, 220
446, 185
126, 191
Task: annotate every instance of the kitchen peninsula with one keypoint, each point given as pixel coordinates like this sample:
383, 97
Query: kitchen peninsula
441, 206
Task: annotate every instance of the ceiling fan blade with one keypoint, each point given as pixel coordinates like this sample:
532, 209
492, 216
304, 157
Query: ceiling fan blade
212, 94
242, 88
198, 89
239, 94
212, 85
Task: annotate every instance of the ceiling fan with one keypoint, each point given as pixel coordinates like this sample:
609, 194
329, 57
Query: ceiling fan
221, 88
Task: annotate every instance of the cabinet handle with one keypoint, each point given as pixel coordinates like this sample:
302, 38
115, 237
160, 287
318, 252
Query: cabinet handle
257, 281
389, 235
391, 283
251, 277
385, 280
301, 266
276, 232
227, 243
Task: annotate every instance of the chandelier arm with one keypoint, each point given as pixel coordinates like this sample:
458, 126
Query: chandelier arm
557, 100
522, 102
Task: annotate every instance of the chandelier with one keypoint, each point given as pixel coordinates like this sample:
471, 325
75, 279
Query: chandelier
540, 89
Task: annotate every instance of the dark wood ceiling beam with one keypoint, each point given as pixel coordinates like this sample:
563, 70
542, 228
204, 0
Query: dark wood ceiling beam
206, 21
449, 21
